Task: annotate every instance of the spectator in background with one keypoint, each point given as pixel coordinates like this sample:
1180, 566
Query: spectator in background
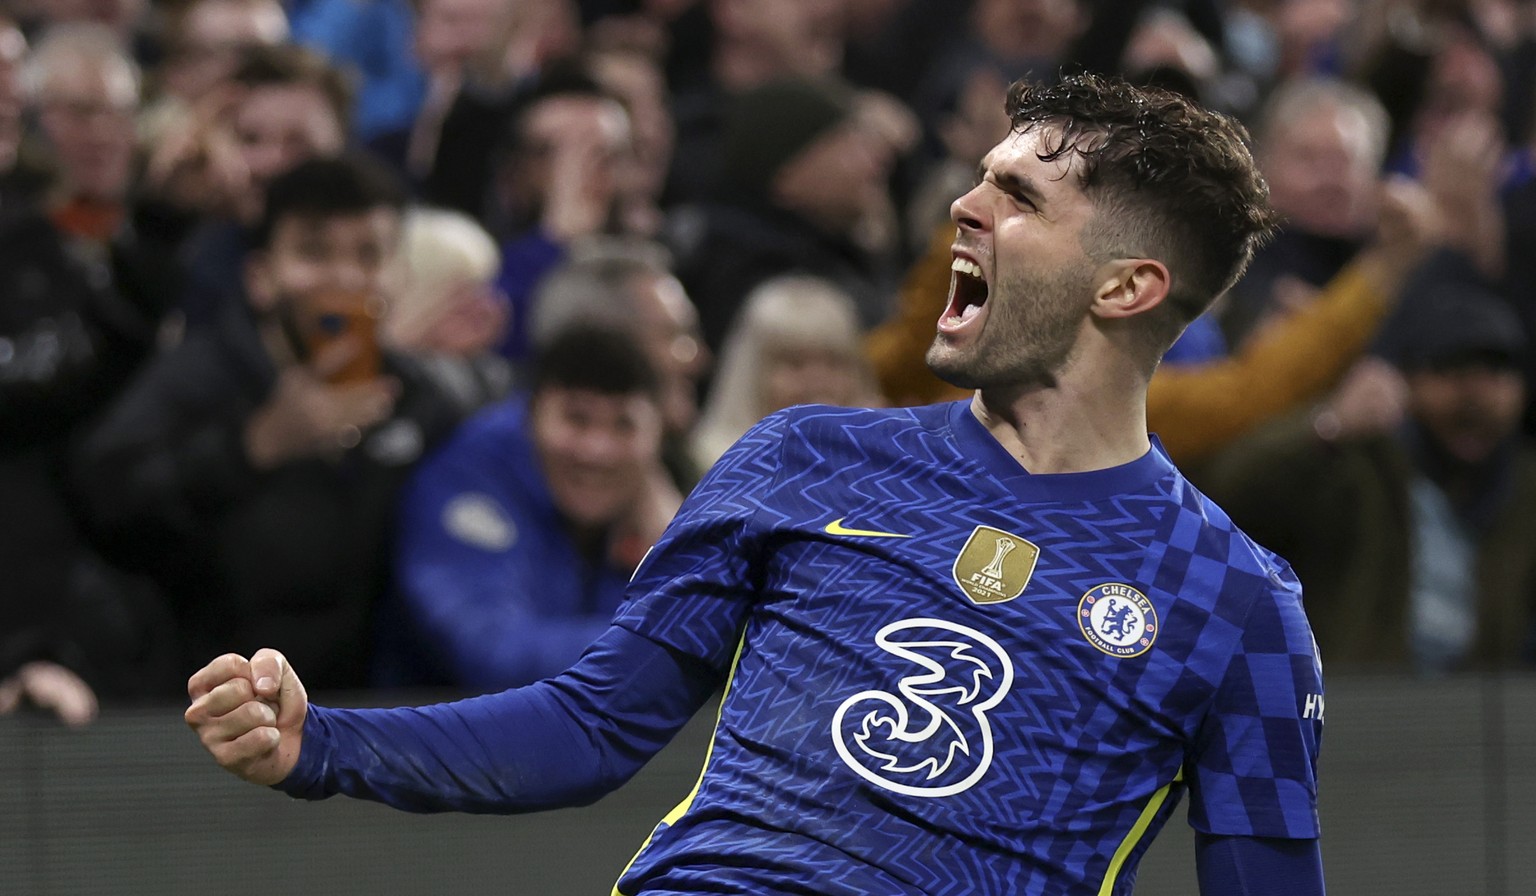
751, 43
205, 42
406, 56
796, 341
635, 78
480, 61
70, 626
453, 43
1271, 41
1429, 64
1035, 39
285, 105
556, 180
628, 283
447, 310
253, 468
68, 342
1412, 529
85, 90
372, 42
1321, 144
192, 168
518, 537
804, 175
1014, 38
964, 127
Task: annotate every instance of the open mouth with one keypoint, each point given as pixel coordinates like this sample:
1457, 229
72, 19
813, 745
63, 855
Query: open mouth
967, 292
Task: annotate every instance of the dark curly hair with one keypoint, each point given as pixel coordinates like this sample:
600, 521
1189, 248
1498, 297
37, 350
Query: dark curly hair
1169, 180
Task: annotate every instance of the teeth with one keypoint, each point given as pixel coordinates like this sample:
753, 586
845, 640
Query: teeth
967, 267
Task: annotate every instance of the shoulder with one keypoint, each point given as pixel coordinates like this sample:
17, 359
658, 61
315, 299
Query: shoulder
805, 446
482, 479
835, 421
494, 435
1247, 573
840, 435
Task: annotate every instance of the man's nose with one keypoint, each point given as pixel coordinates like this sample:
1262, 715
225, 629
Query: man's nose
966, 211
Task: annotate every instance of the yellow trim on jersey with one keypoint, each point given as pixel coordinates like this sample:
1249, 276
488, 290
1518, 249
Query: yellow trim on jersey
681, 808
1137, 831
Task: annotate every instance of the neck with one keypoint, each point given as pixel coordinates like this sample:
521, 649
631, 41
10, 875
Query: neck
591, 541
1085, 421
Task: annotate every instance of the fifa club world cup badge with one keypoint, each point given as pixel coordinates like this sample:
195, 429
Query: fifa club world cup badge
994, 565
1118, 620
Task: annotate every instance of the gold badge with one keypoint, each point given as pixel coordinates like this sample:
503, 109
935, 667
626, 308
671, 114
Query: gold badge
994, 565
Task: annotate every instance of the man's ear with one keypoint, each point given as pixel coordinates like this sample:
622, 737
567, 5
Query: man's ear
1130, 286
260, 291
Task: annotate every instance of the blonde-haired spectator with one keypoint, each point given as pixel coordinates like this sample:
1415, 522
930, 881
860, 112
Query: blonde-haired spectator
796, 341
447, 308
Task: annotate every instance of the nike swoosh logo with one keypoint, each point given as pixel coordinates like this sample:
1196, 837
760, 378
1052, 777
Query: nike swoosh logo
836, 528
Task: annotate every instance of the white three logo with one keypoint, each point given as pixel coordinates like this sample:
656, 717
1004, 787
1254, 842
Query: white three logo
935, 729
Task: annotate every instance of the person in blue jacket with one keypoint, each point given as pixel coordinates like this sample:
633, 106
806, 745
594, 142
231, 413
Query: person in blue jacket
516, 540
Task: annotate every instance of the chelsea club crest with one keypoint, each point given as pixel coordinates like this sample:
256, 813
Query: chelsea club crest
1118, 620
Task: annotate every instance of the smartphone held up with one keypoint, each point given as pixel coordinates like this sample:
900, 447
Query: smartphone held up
340, 336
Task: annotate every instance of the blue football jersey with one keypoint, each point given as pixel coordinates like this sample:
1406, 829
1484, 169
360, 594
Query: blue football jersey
946, 675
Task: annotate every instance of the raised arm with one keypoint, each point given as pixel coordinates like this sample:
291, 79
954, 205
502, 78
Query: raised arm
562, 742
1199, 409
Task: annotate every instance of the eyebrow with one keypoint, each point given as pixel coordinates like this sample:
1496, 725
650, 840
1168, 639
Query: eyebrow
1010, 182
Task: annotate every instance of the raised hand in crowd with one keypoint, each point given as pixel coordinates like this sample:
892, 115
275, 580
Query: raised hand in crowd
199, 167
52, 687
581, 140
1372, 398
310, 415
1410, 221
1463, 170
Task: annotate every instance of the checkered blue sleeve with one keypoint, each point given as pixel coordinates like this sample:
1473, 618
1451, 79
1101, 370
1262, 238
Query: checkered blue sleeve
1253, 768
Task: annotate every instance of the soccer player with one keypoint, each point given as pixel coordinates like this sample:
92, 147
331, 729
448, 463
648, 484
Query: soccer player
982, 647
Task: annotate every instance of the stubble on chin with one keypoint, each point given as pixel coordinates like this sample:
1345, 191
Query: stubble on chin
979, 368
943, 360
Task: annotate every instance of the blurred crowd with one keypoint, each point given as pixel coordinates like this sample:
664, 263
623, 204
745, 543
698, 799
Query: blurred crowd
392, 332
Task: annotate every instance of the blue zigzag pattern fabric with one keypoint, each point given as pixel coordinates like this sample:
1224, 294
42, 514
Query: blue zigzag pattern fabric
950, 676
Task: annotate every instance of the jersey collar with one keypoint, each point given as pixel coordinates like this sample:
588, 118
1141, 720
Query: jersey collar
978, 445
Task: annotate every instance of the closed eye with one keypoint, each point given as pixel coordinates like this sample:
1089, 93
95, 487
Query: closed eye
1017, 188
